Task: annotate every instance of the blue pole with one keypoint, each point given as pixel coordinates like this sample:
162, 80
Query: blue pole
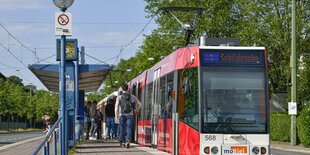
67, 132
47, 148
77, 120
63, 94
60, 138
44, 149
55, 142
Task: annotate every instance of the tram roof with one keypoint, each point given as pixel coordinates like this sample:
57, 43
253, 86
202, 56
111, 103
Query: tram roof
90, 76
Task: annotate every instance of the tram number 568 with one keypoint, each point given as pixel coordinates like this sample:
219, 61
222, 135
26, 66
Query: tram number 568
210, 137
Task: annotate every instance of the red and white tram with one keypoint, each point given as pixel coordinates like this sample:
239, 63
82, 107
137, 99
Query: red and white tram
220, 94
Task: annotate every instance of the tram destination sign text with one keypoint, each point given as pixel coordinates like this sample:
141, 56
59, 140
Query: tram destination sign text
232, 57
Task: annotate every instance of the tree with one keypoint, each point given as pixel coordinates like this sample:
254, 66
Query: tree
15, 80
264, 23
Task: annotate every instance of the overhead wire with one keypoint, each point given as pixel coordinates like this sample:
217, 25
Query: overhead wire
129, 43
32, 50
13, 55
96, 59
45, 59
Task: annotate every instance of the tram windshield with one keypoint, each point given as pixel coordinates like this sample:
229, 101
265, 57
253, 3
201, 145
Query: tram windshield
234, 99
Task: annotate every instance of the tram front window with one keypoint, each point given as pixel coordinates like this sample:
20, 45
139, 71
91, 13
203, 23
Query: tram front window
234, 100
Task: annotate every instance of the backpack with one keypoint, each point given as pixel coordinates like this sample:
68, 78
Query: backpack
126, 104
100, 116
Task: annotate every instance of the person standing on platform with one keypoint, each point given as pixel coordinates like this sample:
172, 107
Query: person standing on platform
126, 106
99, 124
93, 119
87, 119
110, 118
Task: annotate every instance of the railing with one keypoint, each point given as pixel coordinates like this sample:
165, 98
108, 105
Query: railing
45, 141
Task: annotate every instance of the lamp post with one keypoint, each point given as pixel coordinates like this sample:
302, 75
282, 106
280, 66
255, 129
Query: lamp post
63, 146
293, 73
30, 93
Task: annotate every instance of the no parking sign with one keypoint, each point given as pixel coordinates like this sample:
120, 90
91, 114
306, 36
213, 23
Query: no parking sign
63, 23
45, 117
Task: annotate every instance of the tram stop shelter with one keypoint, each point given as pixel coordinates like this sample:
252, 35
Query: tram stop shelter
90, 76
80, 78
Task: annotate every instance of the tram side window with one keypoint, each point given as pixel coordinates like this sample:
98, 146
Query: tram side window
148, 104
170, 100
188, 103
162, 93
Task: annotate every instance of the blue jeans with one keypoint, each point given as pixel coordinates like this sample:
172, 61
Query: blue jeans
125, 121
115, 130
110, 126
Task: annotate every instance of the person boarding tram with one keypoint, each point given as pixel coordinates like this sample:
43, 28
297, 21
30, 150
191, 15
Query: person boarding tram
126, 106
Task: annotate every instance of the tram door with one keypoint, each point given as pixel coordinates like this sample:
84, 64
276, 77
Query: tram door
155, 106
137, 91
134, 91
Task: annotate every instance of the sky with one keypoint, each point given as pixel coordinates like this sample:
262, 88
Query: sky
102, 26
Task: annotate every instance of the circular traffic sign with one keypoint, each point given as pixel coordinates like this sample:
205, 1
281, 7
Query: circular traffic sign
63, 19
45, 117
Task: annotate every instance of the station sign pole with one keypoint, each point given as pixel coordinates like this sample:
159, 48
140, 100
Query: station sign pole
62, 27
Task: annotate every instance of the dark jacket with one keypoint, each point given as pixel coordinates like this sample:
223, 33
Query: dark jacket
110, 110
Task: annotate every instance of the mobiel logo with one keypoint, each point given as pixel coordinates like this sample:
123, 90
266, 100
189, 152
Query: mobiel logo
236, 150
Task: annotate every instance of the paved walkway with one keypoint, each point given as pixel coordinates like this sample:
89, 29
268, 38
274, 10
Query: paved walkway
110, 147
286, 146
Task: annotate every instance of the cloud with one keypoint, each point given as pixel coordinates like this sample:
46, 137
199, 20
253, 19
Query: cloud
112, 38
11, 5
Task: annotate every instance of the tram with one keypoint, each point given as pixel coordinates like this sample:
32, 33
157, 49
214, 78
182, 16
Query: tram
220, 94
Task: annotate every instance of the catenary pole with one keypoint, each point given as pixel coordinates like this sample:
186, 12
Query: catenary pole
294, 72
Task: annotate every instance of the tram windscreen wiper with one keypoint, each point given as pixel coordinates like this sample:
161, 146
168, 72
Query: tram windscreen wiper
226, 125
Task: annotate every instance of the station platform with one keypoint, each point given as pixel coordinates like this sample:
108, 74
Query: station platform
112, 147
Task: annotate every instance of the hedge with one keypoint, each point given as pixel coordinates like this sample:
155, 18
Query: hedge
303, 126
280, 127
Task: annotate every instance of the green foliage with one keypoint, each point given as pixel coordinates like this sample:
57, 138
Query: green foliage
264, 23
280, 127
16, 99
94, 97
15, 80
45, 102
303, 126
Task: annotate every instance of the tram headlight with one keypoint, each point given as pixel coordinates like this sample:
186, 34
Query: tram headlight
207, 150
255, 150
214, 150
263, 150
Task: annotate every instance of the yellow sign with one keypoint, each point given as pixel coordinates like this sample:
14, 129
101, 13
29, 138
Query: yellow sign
70, 49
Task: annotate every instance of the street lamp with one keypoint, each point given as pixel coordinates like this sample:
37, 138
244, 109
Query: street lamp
63, 4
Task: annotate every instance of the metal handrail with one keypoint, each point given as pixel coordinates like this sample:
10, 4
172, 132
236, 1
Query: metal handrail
46, 137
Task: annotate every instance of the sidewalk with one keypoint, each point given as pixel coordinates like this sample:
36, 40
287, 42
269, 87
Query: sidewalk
111, 147
286, 146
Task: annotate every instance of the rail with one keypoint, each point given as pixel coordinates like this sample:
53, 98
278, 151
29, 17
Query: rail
45, 141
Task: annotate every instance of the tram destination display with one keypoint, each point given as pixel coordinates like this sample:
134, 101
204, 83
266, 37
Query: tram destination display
232, 57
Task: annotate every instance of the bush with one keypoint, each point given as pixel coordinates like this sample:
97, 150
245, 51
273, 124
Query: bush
280, 127
303, 126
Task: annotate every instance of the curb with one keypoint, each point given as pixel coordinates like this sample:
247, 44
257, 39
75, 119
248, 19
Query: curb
149, 150
18, 143
289, 149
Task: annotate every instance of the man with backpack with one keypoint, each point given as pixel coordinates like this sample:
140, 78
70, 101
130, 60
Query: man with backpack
126, 106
